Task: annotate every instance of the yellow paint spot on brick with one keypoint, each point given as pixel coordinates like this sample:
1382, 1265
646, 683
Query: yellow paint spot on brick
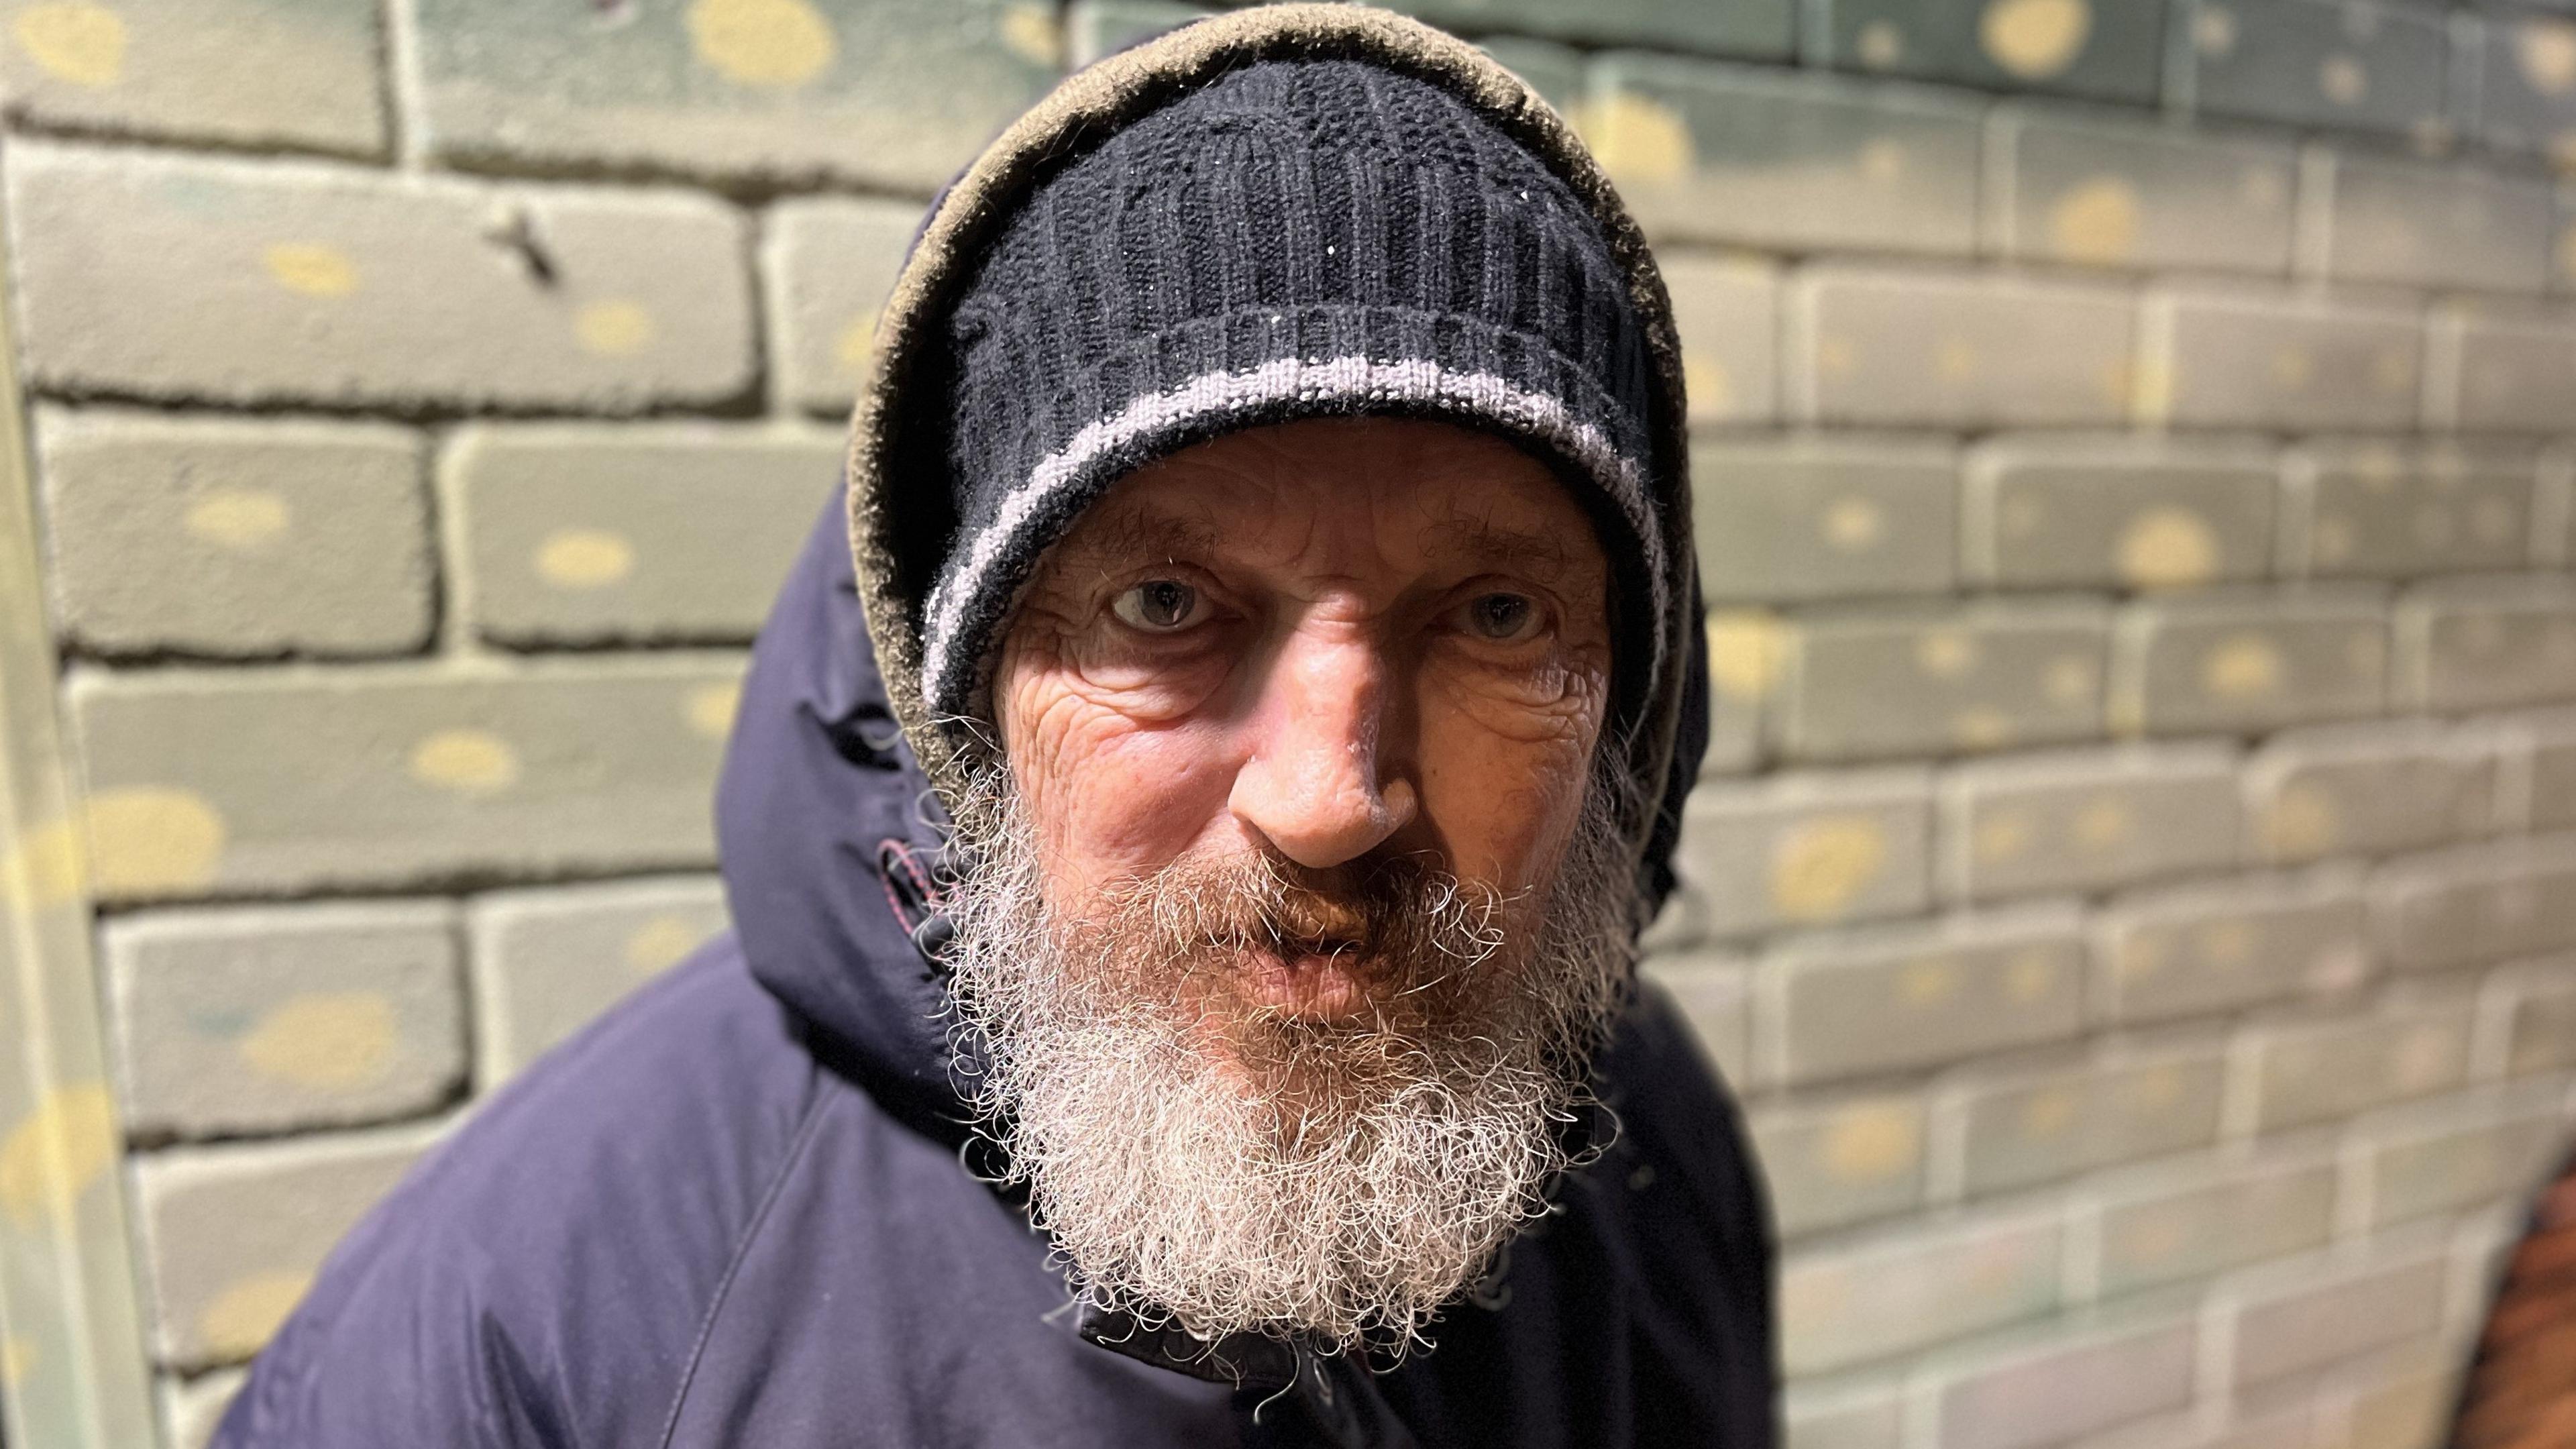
1946, 653
660, 942
1854, 525
2343, 80
2301, 822
1821, 866
2332, 538
2227, 943
2152, 1240
78, 41
2119, 382
1708, 385
2213, 31
2545, 52
2143, 957
2069, 681
709, 709
584, 558
616, 328
774, 44
2001, 837
1928, 983
2244, 667
2035, 39
2022, 516
1956, 361
2561, 150
1872, 1144
1636, 139
1879, 45
857, 342
42, 869
1982, 729
2262, 187
1882, 161
17, 1360
1032, 33
331, 1041
2105, 824
2423, 1060
2097, 221
468, 761
2164, 548
56, 1152
2048, 1113
151, 840
237, 518
1744, 653
2292, 366
1835, 357
245, 1316
311, 269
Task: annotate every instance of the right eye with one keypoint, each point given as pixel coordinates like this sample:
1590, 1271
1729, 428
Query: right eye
1159, 606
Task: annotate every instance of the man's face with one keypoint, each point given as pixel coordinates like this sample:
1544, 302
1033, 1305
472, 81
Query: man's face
1300, 902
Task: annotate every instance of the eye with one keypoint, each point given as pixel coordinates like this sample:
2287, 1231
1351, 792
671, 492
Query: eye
1502, 618
1159, 606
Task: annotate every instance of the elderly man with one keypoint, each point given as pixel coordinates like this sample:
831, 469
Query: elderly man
1186, 841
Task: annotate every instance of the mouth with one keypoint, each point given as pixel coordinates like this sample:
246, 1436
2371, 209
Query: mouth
1322, 979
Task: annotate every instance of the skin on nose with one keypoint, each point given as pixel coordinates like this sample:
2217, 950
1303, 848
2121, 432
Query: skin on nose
1313, 784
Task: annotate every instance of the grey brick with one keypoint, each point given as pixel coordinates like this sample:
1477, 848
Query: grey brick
2310, 1315
240, 72
2218, 947
2477, 903
277, 1019
2230, 359
1727, 310
1828, 1164
2375, 511
2272, 1425
2319, 63
2110, 51
2448, 225
233, 1235
1705, 152
1714, 997
1803, 849
2550, 743
1559, 73
228, 537
2099, 191
2249, 663
584, 535
2086, 820
1915, 996
2293, 1075
831, 263
2368, 790
2477, 1154
1811, 518
2174, 1223
1864, 1416
1853, 1304
2515, 369
1994, 1136
1094, 28
547, 961
1976, 351
2117, 513
2527, 86
2542, 1031
1744, 655
191, 1410
1918, 679
1738, 27
2483, 643
2401, 1399
277, 780
2063, 1383
890, 92
254, 282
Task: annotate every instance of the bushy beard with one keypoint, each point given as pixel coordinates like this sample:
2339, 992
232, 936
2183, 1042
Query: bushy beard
1202, 1159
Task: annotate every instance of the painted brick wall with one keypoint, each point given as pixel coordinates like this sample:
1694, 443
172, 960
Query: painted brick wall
2134, 888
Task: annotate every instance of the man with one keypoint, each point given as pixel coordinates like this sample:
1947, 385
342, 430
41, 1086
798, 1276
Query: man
1186, 871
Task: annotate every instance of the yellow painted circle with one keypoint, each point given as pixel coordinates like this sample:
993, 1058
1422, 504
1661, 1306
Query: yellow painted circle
1744, 652
311, 269
332, 1041
468, 761
2545, 52
1871, 1145
2035, 39
1033, 34
76, 41
53, 1155
1821, 866
1946, 653
243, 1317
1636, 139
773, 44
616, 328
2167, 548
584, 558
151, 840
2096, 221
1879, 45
1854, 525
660, 942
2244, 667
856, 341
709, 709
2343, 80
237, 518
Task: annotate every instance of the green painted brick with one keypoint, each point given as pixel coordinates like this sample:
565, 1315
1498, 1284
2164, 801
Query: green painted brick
1807, 849
888, 92
1853, 1304
2516, 367
1731, 27
1711, 990
1799, 519
2249, 663
2526, 97
2102, 190
1557, 72
1865, 683
831, 262
1094, 28
2341, 64
291, 73
1900, 348
2088, 820
2117, 513
2192, 950
2297, 1075
2109, 50
2548, 743
2243, 359
2364, 790
2479, 1154
2466, 644
1727, 310
2057, 1384
2378, 511
2542, 1034
2477, 903
546, 962
1869, 1415
2311, 1313
1908, 997
2426, 225
1833, 1163
2169, 1224
1996, 1136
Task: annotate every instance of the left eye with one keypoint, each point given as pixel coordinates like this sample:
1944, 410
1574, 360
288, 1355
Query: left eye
1159, 606
1502, 618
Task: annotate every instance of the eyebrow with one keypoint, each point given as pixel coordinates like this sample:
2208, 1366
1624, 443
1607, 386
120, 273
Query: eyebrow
1131, 532
1484, 541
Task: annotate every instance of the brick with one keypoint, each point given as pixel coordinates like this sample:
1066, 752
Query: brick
2092, 191
2305, 1317
224, 537
2515, 370
2319, 63
1995, 1136
2368, 790
1705, 152
2249, 663
2231, 359
1094, 28
2117, 513
1830, 1164
2525, 101
2273, 1426
287, 73
2448, 225
1808, 849
1737, 27
2086, 820
2294, 1075
1805, 518
888, 92
1727, 310
2550, 743
2374, 511
1745, 648
1866, 1416
2478, 903
2467, 1158
577, 534
250, 282
233, 1235
2403, 1399
831, 262
2219, 947
2169, 1225
2109, 51
277, 1019
2061, 1384
191, 1410
1917, 679
1925, 348
1853, 1304
2541, 1036
1714, 997
385, 776
1557, 72
547, 961
1894, 998
2484, 643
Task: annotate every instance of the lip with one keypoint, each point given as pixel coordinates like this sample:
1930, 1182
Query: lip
1305, 983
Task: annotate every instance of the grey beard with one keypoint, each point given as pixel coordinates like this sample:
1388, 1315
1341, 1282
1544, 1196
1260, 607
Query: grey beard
1231, 1170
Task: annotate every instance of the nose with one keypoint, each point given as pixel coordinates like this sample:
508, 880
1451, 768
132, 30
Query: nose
1315, 785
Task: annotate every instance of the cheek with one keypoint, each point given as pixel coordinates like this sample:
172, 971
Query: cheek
1502, 787
1111, 796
